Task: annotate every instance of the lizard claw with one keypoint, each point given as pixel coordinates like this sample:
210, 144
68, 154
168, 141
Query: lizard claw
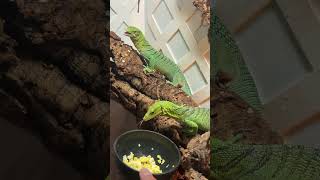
175, 85
148, 70
179, 86
140, 123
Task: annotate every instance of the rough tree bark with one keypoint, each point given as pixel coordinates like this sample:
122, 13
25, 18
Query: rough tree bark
230, 114
54, 68
54, 80
204, 7
136, 91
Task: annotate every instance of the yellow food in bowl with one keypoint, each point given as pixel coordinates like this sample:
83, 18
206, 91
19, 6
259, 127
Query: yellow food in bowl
160, 160
142, 162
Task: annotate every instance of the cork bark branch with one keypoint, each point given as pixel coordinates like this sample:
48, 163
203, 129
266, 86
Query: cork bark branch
204, 7
54, 77
231, 115
135, 90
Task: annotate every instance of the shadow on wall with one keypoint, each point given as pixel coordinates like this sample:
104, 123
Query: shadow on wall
23, 156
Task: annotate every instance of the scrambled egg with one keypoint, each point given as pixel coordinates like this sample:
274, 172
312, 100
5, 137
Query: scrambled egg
142, 162
160, 160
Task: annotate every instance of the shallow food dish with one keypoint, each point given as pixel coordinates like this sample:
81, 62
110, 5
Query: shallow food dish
144, 143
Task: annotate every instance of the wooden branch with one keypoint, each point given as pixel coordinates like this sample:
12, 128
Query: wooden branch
197, 154
231, 115
129, 66
54, 75
64, 132
80, 67
204, 7
50, 86
136, 91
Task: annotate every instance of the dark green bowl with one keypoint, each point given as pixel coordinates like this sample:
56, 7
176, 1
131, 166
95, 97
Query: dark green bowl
129, 142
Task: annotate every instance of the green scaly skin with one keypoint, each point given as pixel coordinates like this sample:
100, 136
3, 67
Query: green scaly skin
193, 118
231, 161
227, 62
157, 60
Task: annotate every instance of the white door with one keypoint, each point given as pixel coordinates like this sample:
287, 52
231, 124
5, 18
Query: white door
281, 47
124, 13
174, 27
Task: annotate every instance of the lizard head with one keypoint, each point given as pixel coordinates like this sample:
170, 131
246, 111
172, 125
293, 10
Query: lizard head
133, 32
153, 111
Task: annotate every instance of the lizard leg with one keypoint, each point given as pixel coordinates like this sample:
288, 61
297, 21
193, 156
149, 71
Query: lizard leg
176, 81
191, 127
181, 83
148, 70
175, 84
